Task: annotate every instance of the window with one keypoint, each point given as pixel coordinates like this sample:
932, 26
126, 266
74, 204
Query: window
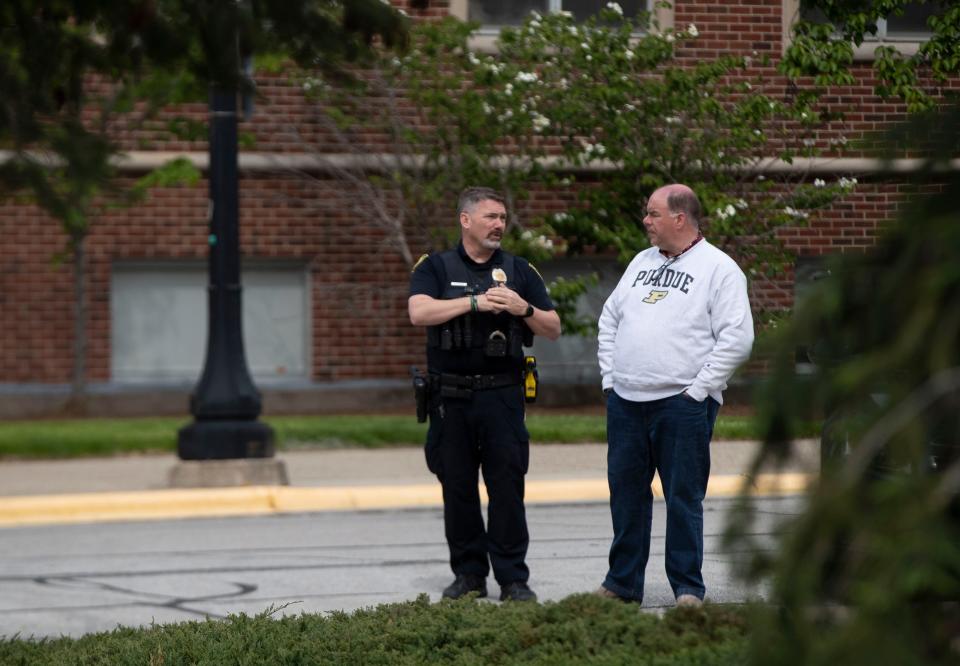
493, 14
910, 27
158, 322
513, 12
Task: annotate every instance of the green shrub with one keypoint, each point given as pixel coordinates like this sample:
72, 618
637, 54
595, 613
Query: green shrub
579, 629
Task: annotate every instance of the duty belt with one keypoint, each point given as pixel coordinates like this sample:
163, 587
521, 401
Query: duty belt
462, 386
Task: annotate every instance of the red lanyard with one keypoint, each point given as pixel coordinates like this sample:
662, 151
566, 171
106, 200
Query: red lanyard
692, 243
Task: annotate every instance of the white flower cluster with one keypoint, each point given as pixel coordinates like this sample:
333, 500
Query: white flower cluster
819, 182
793, 212
615, 7
540, 122
526, 77
540, 241
561, 217
593, 149
741, 204
847, 183
313, 83
692, 30
726, 212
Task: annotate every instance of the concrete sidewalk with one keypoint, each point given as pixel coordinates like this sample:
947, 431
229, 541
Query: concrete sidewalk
136, 487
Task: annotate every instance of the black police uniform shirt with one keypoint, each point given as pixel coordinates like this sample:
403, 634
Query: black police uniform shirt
430, 278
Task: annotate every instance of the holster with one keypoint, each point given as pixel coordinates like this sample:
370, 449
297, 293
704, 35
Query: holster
421, 394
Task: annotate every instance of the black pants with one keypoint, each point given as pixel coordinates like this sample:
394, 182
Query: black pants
485, 432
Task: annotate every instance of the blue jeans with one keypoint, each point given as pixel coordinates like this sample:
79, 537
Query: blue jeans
671, 436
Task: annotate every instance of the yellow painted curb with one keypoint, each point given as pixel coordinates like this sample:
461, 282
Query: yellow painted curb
260, 500
726, 485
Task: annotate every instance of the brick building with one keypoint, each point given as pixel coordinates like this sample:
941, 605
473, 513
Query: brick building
325, 307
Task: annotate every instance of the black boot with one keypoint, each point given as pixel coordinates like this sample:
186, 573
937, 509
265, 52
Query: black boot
465, 584
516, 591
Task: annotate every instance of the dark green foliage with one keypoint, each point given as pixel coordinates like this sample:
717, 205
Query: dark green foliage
162, 52
579, 629
870, 573
825, 50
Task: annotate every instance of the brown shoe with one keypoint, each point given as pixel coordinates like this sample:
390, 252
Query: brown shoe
689, 601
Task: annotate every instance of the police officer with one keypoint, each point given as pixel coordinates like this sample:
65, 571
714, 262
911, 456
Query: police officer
480, 305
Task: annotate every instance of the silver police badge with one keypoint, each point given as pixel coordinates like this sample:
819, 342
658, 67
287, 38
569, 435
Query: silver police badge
499, 276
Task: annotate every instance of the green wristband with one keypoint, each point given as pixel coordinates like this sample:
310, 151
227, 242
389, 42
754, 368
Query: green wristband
473, 302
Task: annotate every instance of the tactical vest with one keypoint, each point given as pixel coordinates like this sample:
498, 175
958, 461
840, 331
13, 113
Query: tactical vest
497, 334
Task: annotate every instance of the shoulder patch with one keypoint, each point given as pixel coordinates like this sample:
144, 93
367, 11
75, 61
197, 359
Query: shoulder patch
419, 261
534, 269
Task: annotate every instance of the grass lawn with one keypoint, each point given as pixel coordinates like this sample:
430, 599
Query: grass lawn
100, 437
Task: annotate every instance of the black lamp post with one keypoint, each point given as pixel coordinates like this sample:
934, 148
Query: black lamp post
225, 403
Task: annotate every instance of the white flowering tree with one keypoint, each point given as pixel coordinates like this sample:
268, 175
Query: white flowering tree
415, 130
602, 112
610, 95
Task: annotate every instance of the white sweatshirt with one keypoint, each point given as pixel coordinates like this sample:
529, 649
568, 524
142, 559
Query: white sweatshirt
686, 328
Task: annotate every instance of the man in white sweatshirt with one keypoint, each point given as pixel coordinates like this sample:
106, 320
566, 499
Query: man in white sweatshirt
671, 334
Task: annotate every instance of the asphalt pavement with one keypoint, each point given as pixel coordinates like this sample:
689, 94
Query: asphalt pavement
138, 487
87, 577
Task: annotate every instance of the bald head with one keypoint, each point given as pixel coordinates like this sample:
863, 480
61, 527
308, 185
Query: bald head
681, 199
672, 221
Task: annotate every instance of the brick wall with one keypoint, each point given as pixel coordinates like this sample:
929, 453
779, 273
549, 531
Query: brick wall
358, 286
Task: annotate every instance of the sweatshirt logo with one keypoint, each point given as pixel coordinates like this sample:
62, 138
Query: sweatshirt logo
665, 278
655, 295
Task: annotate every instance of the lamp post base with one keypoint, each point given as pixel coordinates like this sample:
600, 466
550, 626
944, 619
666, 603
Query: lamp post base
228, 473
222, 440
